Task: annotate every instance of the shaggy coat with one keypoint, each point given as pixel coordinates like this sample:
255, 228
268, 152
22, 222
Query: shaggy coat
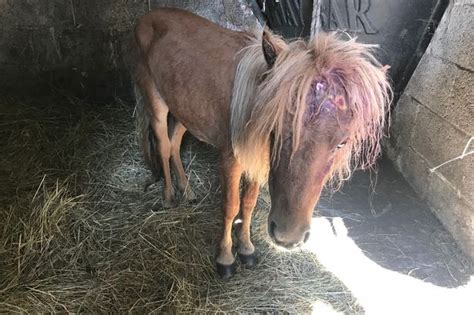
297, 115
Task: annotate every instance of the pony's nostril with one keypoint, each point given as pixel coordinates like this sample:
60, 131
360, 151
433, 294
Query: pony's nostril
306, 236
272, 229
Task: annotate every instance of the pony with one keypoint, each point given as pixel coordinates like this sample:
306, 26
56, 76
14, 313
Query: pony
298, 115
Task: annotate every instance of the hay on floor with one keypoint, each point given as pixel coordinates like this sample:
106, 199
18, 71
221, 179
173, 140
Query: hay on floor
79, 234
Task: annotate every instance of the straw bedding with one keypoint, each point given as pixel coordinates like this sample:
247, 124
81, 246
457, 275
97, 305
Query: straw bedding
78, 233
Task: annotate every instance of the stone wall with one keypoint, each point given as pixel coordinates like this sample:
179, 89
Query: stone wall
80, 45
433, 123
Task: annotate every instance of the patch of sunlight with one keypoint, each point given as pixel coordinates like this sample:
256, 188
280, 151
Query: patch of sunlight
322, 308
379, 290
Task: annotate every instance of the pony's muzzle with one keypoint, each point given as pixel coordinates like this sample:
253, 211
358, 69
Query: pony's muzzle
288, 240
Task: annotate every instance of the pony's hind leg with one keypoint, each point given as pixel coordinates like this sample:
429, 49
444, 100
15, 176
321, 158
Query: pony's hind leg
159, 124
183, 183
160, 128
246, 250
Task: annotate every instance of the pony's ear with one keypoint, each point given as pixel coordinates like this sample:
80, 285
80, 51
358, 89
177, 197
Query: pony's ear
272, 46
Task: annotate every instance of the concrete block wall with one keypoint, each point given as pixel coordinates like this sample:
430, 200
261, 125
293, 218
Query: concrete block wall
433, 122
80, 45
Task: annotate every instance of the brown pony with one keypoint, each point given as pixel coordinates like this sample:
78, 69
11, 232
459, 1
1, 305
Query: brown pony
296, 114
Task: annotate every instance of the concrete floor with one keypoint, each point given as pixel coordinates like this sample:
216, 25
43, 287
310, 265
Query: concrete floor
396, 229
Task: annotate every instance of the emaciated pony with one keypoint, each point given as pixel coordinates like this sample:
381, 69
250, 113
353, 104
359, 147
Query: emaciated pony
296, 114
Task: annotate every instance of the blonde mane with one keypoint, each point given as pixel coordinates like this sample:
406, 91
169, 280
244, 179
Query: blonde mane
262, 98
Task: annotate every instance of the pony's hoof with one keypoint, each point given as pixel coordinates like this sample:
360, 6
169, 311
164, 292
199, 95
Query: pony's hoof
190, 196
248, 261
226, 271
169, 204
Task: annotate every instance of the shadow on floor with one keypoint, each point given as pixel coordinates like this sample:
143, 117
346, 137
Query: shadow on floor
396, 229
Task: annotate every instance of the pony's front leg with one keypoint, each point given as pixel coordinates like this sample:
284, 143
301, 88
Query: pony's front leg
231, 173
246, 249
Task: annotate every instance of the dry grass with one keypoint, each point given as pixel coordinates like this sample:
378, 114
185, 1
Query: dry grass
79, 234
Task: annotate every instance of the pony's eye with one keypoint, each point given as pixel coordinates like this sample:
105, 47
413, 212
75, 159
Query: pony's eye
340, 145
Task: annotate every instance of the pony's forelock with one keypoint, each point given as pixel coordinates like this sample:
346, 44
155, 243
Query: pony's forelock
259, 105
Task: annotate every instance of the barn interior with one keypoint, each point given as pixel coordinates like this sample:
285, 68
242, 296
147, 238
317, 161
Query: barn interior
80, 234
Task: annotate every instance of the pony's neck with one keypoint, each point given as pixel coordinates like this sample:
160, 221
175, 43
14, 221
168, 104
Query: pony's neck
252, 151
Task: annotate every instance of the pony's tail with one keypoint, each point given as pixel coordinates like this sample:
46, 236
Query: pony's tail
147, 139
